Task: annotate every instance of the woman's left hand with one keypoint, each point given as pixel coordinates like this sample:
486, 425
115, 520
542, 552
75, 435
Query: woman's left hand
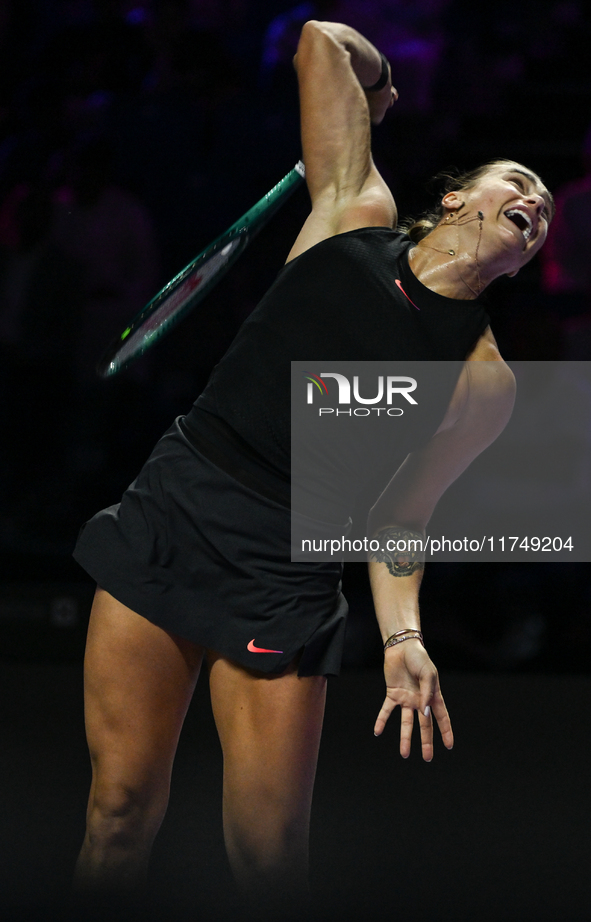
412, 683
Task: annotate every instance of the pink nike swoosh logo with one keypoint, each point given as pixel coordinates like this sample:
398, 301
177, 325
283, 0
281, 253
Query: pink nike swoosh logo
254, 649
405, 294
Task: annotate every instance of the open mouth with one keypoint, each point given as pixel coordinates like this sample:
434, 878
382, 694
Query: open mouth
521, 220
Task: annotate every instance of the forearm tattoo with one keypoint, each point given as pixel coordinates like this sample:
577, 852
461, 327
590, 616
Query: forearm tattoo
400, 549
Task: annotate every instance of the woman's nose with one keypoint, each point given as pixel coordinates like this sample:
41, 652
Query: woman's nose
537, 201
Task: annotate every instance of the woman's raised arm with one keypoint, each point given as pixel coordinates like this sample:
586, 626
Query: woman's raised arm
336, 69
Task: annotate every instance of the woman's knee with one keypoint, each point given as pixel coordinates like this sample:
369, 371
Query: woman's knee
268, 838
122, 815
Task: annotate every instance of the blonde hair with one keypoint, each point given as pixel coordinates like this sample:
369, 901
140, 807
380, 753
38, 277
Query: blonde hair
450, 181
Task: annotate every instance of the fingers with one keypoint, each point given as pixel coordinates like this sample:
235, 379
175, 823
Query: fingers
387, 708
427, 690
407, 719
443, 722
426, 728
379, 103
426, 712
432, 701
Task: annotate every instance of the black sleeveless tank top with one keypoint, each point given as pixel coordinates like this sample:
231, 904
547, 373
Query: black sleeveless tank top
351, 297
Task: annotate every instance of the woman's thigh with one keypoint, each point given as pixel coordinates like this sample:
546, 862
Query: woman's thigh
270, 729
138, 683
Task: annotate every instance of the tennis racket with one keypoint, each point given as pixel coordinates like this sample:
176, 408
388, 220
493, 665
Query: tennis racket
195, 281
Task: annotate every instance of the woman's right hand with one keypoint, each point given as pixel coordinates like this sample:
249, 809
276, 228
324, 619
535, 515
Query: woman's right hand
380, 102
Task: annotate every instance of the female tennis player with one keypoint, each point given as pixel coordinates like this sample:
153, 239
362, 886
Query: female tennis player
194, 563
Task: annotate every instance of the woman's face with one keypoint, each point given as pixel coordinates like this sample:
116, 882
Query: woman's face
517, 209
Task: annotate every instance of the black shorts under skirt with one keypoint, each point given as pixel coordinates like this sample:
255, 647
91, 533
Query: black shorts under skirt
205, 557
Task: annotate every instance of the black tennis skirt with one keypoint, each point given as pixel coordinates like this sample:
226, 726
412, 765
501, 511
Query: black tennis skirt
207, 558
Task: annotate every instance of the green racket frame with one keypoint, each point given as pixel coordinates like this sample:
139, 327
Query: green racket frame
195, 281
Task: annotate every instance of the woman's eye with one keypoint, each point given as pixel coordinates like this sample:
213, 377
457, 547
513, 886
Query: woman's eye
518, 183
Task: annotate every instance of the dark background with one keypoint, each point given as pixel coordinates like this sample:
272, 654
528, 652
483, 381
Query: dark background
131, 134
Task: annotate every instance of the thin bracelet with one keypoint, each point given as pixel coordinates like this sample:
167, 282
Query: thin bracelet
383, 79
409, 634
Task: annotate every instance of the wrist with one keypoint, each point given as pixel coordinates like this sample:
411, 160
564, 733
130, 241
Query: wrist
383, 79
391, 627
401, 636
367, 62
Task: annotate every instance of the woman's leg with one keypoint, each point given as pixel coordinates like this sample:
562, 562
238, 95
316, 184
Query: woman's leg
269, 728
138, 682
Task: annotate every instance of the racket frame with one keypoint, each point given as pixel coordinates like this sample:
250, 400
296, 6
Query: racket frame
186, 288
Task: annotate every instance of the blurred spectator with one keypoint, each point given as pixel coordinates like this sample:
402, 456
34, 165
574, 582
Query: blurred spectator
567, 261
238, 23
37, 313
110, 234
40, 289
97, 50
283, 32
78, 57
166, 141
410, 35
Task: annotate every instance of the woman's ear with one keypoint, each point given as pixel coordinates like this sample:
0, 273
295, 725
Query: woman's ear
452, 201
